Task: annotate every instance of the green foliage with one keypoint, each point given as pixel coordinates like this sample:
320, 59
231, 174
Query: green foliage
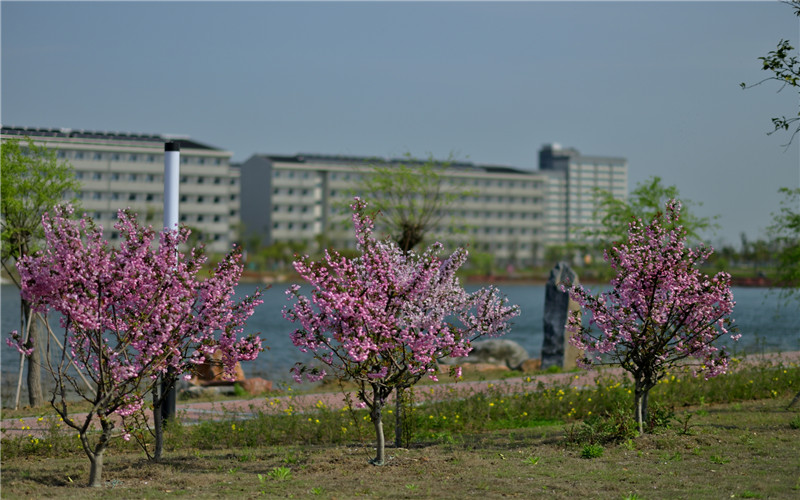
33, 182
592, 451
411, 196
784, 67
279, 474
647, 200
785, 230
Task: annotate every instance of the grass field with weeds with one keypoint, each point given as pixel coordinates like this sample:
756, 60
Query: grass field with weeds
728, 437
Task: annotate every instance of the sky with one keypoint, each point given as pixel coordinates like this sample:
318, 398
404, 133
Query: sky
488, 82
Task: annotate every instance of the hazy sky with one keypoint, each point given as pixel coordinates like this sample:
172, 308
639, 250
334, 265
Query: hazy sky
655, 82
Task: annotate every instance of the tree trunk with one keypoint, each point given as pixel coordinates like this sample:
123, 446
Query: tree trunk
35, 394
96, 472
158, 423
641, 391
398, 418
378, 423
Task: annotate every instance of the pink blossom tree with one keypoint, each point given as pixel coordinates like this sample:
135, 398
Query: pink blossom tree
383, 319
129, 315
660, 311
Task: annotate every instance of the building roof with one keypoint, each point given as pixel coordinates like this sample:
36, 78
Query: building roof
376, 160
67, 133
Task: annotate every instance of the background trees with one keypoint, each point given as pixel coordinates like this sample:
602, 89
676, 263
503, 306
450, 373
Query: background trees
33, 182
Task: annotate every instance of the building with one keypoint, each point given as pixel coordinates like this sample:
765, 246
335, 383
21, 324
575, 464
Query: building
304, 197
118, 170
571, 190
510, 213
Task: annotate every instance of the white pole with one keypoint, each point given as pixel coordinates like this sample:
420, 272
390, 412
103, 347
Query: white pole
172, 157
172, 162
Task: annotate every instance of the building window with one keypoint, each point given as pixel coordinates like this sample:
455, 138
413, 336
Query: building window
217, 180
151, 158
79, 155
132, 157
115, 157
217, 199
132, 197
98, 156
149, 197
97, 176
184, 198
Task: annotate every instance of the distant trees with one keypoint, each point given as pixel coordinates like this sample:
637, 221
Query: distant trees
411, 196
644, 202
33, 181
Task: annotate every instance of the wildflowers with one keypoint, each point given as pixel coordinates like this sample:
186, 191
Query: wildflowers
384, 318
660, 311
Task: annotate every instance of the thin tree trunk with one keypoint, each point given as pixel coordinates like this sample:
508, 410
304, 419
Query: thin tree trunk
398, 417
158, 423
380, 445
640, 395
35, 394
96, 471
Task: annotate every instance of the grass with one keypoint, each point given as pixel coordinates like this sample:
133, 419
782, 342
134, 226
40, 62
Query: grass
710, 439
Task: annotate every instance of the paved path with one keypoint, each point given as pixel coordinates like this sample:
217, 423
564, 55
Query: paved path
244, 409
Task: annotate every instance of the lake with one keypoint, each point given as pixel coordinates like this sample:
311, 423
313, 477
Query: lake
766, 326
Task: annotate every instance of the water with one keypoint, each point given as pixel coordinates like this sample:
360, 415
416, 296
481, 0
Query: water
766, 325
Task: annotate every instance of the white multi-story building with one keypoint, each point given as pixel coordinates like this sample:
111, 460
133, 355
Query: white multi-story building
511, 213
118, 171
572, 188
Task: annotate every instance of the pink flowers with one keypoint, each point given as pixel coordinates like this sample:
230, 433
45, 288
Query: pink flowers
660, 311
135, 312
386, 317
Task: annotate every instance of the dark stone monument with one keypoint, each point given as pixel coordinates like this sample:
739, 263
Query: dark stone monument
556, 349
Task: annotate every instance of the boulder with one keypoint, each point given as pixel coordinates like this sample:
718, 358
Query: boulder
482, 367
529, 366
556, 349
494, 351
211, 372
256, 385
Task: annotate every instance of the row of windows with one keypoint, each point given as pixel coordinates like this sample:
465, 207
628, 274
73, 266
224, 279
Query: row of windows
149, 178
206, 199
133, 157
104, 195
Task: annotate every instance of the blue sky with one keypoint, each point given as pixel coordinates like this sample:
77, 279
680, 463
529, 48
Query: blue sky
655, 82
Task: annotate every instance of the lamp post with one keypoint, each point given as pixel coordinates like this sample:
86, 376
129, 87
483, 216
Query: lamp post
172, 156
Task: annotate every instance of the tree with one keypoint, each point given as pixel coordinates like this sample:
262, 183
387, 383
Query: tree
644, 203
660, 310
383, 319
412, 196
33, 182
129, 315
784, 66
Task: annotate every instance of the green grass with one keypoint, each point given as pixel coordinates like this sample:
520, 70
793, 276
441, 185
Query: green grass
695, 424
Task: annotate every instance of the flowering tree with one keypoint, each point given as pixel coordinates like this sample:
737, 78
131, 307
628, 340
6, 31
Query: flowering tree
660, 309
384, 318
129, 314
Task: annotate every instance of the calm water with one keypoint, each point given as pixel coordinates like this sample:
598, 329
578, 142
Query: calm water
765, 324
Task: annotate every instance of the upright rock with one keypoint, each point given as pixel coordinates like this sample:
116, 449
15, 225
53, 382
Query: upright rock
556, 349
